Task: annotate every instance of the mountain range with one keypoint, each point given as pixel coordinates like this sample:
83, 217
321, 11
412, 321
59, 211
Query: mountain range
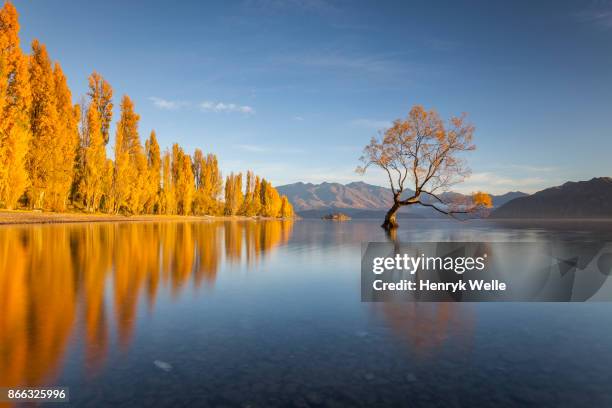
360, 200
580, 199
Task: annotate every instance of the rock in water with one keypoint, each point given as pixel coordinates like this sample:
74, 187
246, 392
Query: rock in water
336, 217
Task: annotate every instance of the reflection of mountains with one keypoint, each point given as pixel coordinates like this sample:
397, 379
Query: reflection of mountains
55, 279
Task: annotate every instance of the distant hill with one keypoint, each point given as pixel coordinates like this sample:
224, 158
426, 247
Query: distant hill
359, 200
582, 199
358, 195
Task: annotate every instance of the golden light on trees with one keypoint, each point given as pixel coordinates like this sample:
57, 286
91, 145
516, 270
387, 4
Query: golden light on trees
43, 123
423, 152
101, 94
53, 152
15, 101
94, 158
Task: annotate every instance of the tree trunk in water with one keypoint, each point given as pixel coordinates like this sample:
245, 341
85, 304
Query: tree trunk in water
390, 219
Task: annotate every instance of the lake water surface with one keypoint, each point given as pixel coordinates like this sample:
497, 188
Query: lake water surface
261, 314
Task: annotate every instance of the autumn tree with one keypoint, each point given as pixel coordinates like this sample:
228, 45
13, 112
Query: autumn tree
168, 201
424, 152
153, 180
286, 210
130, 161
107, 203
200, 204
94, 159
100, 98
101, 94
248, 194
212, 184
233, 194
184, 182
270, 200
254, 206
43, 123
64, 143
15, 101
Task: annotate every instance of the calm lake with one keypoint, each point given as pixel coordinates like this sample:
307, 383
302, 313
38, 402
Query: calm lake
261, 314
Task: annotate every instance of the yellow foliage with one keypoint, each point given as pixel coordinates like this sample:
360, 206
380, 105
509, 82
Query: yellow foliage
153, 174
286, 210
130, 161
52, 150
15, 101
233, 194
101, 94
94, 161
481, 199
65, 142
43, 124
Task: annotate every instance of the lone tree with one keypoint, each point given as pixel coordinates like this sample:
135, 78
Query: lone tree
424, 152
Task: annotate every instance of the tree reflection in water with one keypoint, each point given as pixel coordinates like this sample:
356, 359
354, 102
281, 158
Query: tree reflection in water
57, 280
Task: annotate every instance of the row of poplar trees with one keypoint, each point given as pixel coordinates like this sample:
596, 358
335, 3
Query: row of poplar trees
53, 152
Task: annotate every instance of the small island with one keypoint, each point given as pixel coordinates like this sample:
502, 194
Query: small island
336, 217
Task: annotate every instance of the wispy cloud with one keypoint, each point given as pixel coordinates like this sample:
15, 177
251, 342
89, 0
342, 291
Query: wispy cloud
298, 118
166, 104
205, 106
370, 123
599, 14
222, 107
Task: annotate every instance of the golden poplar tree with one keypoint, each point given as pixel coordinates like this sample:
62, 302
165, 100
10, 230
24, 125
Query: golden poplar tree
248, 194
124, 171
184, 182
168, 194
64, 143
107, 203
254, 207
233, 194
94, 158
229, 194
15, 100
286, 210
208, 183
213, 185
154, 174
200, 204
130, 161
270, 200
101, 94
43, 124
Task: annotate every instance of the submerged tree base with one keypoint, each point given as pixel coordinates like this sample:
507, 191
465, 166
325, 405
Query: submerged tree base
390, 222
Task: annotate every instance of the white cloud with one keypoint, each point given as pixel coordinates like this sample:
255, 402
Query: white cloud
165, 104
299, 118
371, 123
209, 106
598, 16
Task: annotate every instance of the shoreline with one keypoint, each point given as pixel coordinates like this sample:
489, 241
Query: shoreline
25, 217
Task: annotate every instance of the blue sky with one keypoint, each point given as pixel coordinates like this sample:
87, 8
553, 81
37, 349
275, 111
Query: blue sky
295, 89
